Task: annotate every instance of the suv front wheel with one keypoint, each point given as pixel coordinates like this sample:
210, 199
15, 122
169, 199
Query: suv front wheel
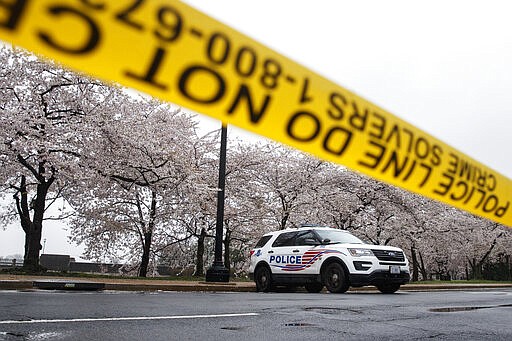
388, 288
335, 278
263, 278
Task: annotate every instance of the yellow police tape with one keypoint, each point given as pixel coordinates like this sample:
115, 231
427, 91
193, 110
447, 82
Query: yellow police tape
172, 51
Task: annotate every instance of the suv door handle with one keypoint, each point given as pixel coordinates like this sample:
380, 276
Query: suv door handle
296, 250
271, 251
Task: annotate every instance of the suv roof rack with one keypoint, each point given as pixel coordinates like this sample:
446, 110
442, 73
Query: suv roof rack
311, 225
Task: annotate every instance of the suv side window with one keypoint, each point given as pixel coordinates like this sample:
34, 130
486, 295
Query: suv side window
302, 236
263, 240
285, 239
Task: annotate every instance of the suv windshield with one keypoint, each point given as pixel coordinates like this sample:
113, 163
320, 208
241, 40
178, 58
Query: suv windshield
338, 237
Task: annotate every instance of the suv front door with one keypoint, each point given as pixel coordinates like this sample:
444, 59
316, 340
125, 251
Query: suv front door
308, 245
294, 252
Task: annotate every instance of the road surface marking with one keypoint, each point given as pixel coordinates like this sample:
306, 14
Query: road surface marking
133, 318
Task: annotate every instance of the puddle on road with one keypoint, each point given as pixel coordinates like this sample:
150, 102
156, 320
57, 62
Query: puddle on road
456, 309
32, 336
14, 334
299, 324
331, 310
232, 328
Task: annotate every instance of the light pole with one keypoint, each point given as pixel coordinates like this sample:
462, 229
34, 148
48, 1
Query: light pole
218, 272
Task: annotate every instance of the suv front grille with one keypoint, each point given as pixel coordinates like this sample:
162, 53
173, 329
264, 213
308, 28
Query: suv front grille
388, 255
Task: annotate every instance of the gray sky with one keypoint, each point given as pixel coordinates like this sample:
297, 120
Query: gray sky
444, 66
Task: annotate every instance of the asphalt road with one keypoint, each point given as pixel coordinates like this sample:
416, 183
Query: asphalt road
442, 315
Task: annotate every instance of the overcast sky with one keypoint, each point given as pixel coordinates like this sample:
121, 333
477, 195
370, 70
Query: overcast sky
444, 66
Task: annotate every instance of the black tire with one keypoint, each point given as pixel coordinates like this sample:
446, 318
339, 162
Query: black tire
335, 278
314, 287
263, 278
388, 288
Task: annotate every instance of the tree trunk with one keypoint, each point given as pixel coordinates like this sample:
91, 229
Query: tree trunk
476, 269
415, 272
227, 252
32, 247
422, 267
143, 270
509, 268
32, 228
284, 220
148, 237
200, 253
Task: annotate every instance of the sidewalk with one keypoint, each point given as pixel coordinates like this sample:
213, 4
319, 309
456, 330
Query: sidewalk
24, 282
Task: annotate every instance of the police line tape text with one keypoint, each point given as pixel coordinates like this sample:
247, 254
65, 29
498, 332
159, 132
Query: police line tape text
243, 80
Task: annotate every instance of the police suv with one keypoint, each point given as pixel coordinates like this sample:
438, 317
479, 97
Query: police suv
321, 256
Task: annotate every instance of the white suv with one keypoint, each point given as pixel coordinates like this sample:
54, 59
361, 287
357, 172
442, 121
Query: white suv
321, 256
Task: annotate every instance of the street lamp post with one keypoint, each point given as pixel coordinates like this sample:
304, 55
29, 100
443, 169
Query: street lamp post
218, 272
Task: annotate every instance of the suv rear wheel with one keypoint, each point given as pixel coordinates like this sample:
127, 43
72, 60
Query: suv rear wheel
335, 278
263, 278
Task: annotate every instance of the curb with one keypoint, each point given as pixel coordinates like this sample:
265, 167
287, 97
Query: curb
71, 284
16, 285
198, 287
68, 285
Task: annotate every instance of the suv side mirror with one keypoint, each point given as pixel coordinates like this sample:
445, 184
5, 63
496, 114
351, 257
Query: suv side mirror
311, 241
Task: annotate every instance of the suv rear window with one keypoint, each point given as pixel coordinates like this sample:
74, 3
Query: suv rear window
263, 240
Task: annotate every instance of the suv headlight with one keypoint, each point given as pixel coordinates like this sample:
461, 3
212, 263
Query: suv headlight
360, 252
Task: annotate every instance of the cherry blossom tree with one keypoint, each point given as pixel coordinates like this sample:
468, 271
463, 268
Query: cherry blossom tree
43, 108
286, 178
142, 184
481, 238
333, 202
137, 165
245, 210
196, 209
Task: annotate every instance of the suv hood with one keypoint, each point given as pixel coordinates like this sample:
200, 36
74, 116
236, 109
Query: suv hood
362, 246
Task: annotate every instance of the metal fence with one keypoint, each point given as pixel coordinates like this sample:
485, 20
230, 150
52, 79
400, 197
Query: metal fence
10, 263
